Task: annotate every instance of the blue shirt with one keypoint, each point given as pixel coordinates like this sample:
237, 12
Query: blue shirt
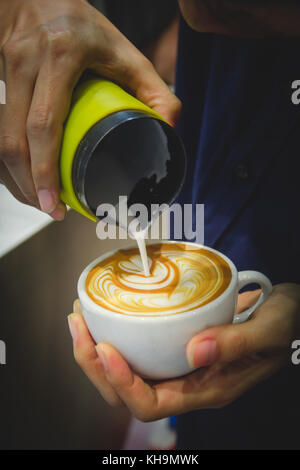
242, 136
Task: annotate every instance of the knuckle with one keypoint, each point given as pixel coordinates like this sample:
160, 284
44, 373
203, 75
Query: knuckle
177, 105
144, 415
10, 149
115, 403
143, 418
59, 41
78, 358
142, 66
40, 121
13, 53
43, 171
237, 344
145, 63
217, 398
136, 68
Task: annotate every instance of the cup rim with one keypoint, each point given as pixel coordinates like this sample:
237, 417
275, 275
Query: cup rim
98, 309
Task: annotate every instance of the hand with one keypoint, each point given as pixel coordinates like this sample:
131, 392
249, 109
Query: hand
45, 46
232, 359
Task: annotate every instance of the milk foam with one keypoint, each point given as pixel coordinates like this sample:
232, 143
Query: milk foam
179, 280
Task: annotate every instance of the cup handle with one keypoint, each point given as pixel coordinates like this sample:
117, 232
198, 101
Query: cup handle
249, 277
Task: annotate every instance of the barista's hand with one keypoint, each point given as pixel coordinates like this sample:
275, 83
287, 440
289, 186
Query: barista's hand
45, 46
233, 358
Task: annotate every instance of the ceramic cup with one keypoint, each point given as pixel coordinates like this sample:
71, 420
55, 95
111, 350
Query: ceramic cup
155, 347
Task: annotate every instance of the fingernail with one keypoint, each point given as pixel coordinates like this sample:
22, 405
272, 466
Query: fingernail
76, 306
102, 357
202, 354
47, 200
59, 212
72, 327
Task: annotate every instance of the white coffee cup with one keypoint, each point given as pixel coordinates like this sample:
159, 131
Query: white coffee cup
155, 346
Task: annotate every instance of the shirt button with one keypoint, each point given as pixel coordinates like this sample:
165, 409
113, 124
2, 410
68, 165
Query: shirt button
242, 172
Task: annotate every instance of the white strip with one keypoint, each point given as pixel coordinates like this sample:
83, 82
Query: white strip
18, 222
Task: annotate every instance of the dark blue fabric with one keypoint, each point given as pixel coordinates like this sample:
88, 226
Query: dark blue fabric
242, 136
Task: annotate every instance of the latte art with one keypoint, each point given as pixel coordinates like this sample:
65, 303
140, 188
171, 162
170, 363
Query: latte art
181, 279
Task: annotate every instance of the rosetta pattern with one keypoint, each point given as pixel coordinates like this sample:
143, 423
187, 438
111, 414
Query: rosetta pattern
180, 280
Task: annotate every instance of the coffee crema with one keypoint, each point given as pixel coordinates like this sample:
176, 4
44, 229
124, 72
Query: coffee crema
181, 279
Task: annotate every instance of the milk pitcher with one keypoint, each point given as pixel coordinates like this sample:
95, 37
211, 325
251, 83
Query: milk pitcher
114, 145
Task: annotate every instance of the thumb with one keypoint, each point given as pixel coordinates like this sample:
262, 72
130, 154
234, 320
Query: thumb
267, 330
220, 344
